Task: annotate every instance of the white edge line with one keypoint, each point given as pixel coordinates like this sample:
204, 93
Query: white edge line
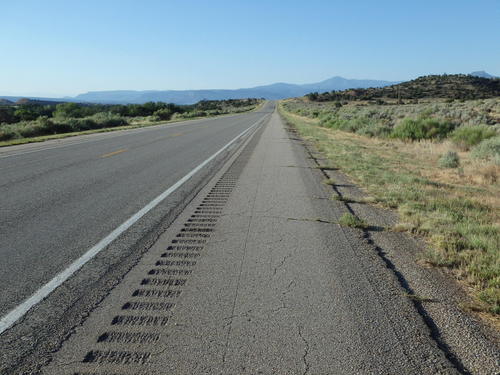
18, 312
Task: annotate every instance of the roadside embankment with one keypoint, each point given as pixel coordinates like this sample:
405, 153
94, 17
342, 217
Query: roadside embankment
456, 210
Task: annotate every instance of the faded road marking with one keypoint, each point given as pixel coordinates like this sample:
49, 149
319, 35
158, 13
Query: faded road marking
113, 153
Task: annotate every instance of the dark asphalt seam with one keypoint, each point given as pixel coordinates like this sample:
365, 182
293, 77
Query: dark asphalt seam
429, 322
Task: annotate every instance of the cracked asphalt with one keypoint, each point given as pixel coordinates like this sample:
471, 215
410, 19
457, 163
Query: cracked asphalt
273, 291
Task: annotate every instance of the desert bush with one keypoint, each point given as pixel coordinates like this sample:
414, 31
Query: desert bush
98, 121
487, 149
42, 126
422, 128
77, 124
68, 110
195, 113
108, 120
164, 114
7, 133
449, 160
47, 126
375, 130
467, 136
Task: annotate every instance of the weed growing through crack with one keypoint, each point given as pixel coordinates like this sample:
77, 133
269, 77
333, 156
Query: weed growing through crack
416, 297
329, 181
341, 198
349, 220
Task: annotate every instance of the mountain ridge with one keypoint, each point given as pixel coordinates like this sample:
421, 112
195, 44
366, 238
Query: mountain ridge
274, 91
482, 74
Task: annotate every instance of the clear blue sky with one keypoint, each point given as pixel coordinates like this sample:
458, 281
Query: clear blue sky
65, 47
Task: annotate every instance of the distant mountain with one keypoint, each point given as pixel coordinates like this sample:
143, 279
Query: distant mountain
34, 100
5, 102
273, 92
482, 74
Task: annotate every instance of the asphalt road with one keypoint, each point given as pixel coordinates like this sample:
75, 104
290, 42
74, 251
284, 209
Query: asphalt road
58, 199
247, 280
254, 274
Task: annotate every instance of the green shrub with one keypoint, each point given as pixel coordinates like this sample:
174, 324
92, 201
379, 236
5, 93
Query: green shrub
193, 114
31, 129
449, 160
108, 120
487, 149
7, 133
48, 126
422, 128
77, 124
42, 126
375, 130
68, 110
164, 114
467, 136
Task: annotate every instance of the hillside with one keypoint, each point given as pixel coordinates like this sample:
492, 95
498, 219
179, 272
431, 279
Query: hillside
24, 101
453, 86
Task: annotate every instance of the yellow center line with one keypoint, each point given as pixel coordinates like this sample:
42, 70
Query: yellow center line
113, 153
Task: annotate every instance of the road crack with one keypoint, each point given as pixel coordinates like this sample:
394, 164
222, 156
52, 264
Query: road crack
306, 351
281, 263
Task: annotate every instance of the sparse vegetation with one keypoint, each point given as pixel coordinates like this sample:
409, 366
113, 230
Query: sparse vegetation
432, 119
329, 181
449, 160
27, 119
456, 210
466, 137
488, 149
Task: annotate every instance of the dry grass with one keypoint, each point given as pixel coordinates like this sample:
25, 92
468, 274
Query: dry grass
473, 172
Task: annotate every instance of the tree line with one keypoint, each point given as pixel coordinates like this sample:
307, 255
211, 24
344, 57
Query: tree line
10, 114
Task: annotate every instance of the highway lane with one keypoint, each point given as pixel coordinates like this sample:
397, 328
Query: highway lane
59, 199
